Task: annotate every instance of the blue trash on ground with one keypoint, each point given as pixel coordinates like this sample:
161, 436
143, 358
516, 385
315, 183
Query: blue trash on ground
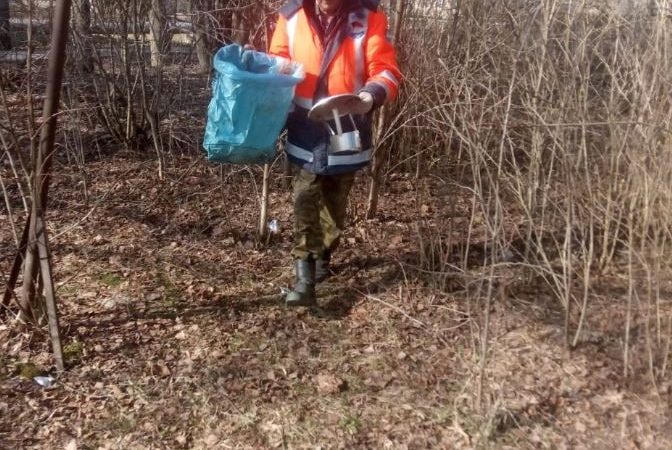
251, 97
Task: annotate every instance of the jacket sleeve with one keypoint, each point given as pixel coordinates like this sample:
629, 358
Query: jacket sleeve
383, 75
280, 41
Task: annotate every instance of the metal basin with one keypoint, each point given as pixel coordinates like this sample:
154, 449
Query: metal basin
335, 108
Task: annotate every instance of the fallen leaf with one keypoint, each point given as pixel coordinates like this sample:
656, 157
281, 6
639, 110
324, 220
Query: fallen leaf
115, 301
181, 336
329, 384
211, 440
165, 371
115, 260
153, 296
395, 241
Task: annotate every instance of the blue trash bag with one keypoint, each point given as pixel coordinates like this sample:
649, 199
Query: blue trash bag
251, 97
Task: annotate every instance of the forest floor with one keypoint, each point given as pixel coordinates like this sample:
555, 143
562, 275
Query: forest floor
176, 335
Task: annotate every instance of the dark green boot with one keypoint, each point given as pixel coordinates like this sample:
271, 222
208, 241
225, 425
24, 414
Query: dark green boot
304, 291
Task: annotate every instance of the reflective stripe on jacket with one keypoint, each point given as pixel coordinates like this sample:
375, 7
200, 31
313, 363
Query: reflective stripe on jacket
355, 55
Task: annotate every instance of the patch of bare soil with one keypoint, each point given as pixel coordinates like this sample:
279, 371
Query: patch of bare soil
176, 336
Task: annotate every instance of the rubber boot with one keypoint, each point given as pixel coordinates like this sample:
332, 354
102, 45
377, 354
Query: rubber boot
304, 291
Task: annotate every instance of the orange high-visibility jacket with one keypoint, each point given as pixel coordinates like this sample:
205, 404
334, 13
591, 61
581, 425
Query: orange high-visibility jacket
354, 55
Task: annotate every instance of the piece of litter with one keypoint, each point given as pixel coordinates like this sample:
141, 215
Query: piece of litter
284, 291
507, 256
274, 226
46, 382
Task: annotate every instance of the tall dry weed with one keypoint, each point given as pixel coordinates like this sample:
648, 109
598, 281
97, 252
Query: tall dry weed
555, 117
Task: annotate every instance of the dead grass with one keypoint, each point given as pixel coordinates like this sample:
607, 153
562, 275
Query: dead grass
194, 350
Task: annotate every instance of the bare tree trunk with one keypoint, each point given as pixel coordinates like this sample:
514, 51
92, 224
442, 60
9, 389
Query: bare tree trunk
151, 107
5, 39
82, 26
199, 21
287, 169
380, 154
37, 253
27, 298
28, 291
263, 213
171, 8
223, 18
82, 17
14, 276
159, 33
10, 215
241, 29
49, 293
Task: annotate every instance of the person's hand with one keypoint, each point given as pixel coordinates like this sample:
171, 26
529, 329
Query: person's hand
285, 66
365, 104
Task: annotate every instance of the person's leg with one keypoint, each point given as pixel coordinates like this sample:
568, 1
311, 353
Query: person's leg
308, 242
333, 210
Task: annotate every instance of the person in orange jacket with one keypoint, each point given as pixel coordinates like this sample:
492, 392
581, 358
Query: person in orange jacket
344, 49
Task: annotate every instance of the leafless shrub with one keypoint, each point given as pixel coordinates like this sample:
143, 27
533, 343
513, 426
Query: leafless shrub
560, 113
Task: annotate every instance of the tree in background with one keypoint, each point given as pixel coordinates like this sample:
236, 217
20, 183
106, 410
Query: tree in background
200, 24
82, 16
160, 35
81, 24
5, 39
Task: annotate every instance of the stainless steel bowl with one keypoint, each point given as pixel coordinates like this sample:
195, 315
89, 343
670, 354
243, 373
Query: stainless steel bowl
335, 108
346, 142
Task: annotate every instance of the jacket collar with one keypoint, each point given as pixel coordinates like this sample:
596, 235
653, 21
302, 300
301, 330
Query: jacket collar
370, 4
291, 7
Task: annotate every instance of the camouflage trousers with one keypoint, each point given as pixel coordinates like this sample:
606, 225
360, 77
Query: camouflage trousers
320, 204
